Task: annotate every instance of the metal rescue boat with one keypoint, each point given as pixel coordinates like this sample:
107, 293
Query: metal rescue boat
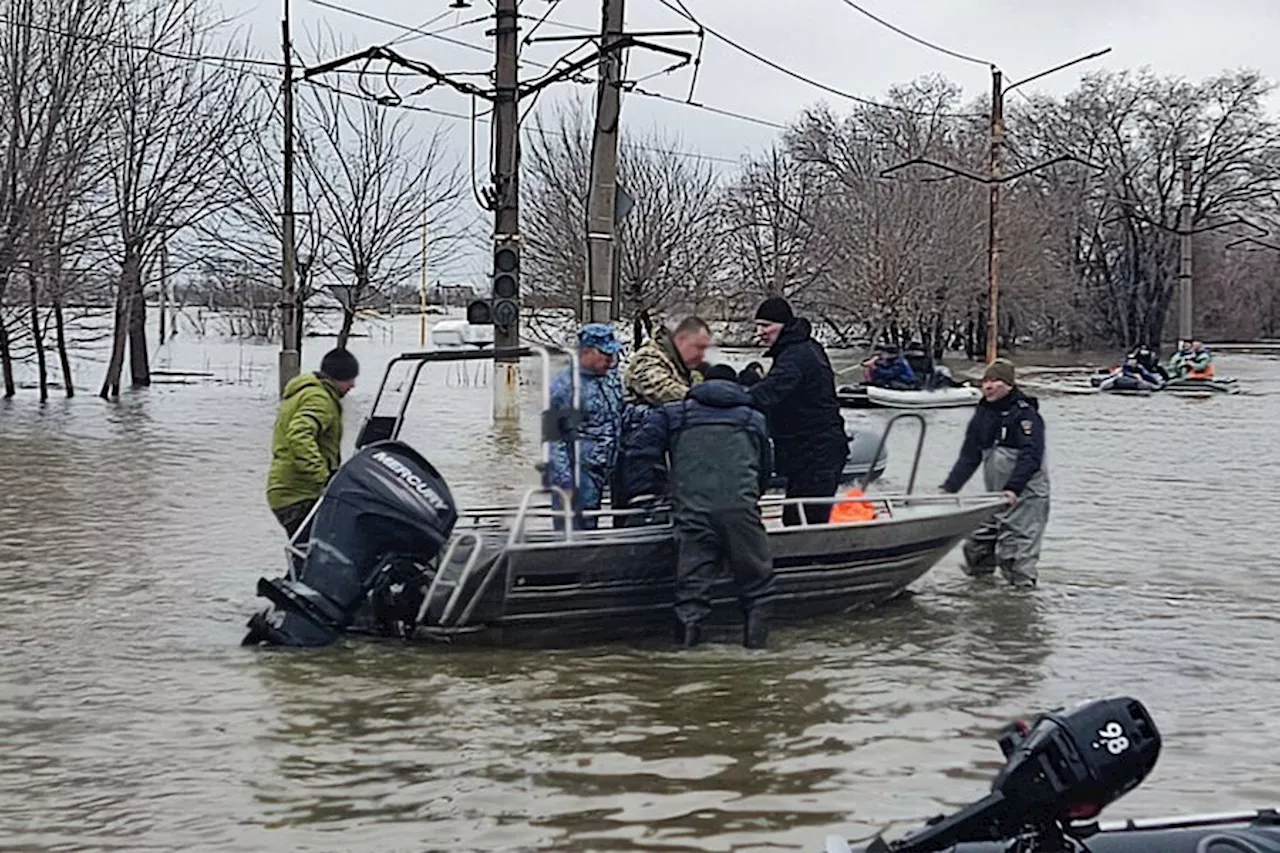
388, 553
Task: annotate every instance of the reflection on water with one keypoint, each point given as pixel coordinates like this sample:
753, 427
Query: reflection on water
131, 537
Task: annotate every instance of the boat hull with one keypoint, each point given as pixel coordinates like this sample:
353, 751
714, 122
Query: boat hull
1206, 387
868, 396
617, 583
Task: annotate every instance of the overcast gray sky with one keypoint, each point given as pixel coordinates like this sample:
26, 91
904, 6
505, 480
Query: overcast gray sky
825, 40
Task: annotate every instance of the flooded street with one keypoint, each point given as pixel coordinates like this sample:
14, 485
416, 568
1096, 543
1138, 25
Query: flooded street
132, 537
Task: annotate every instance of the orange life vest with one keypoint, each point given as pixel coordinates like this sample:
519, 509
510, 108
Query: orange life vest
853, 510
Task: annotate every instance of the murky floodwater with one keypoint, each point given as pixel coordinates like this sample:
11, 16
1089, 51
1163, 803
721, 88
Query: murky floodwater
131, 537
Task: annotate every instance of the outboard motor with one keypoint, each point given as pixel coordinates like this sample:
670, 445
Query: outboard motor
1063, 767
386, 513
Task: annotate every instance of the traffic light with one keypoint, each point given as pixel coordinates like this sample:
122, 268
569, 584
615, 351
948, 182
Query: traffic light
506, 284
479, 312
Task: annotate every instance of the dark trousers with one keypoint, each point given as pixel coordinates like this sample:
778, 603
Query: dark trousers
291, 516
814, 475
707, 541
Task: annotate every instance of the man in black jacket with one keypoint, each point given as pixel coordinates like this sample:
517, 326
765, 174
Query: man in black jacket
721, 463
799, 397
1006, 437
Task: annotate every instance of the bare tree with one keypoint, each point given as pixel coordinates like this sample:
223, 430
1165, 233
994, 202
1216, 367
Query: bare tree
902, 254
670, 242
52, 52
245, 238
175, 120
371, 186
1122, 241
771, 215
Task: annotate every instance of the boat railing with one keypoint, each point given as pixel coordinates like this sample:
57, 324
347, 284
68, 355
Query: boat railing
514, 521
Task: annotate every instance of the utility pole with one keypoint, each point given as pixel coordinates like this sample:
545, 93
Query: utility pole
1184, 262
164, 286
290, 359
993, 215
422, 306
506, 211
994, 178
601, 242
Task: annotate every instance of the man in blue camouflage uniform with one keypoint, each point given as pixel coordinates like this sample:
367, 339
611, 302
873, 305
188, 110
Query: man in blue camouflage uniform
600, 390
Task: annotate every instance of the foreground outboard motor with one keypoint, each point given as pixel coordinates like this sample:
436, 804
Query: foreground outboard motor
386, 512
1063, 767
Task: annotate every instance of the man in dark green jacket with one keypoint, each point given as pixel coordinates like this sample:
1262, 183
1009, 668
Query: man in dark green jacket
721, 463
306, 448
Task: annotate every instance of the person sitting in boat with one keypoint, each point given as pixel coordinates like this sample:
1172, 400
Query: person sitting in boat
798, 397
720, 464
1006, 437
600, 395
306, 446
1178, 361
1199, 361
1135, 368
1149, 360
890, 370
920, 362
662, 370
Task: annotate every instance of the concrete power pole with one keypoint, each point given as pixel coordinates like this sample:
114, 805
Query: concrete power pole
1185, 323
993, 216
290, 359
506, 212
601, 243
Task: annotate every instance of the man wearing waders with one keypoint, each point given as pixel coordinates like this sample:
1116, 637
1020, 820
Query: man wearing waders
1006, 437
721, 463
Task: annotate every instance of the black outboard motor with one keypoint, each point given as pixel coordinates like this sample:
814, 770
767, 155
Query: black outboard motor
1068, 766
385, 513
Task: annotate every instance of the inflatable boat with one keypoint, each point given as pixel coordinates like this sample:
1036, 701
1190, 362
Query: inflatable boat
1061, 771
1203, 387
1127, 384
871, 396
387, 551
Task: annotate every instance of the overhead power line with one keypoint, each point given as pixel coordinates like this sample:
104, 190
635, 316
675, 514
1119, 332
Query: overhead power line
415, 30
915, 38
764, 60
482, 119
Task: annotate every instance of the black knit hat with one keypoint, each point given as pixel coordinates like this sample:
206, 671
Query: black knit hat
339, 365
775, 309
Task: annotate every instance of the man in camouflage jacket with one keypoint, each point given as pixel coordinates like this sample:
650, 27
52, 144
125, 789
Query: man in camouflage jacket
661, 371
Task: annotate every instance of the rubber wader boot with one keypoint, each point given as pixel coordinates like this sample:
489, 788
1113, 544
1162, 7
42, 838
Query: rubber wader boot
689, 635
755, 629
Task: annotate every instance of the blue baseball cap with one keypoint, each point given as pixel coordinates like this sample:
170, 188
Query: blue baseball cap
599, 336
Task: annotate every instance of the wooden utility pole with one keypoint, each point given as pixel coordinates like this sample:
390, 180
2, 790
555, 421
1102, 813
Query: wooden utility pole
290, 359
1185, 323
506, 208
993, 216
601, 242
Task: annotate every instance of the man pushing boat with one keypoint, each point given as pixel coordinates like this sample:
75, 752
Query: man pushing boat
1006, 437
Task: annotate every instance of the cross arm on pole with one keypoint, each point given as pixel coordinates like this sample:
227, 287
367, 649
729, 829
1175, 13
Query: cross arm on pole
622, 43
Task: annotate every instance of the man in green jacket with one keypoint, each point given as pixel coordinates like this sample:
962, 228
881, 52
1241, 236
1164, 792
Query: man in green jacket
306, 448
